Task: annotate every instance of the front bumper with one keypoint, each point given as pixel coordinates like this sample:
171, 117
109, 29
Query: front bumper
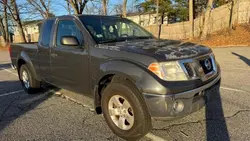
161, 106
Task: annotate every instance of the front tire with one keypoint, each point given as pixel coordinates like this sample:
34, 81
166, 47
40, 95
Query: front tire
125, 110
29, 83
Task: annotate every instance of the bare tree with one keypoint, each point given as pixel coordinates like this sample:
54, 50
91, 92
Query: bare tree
78, 5
2, 28
68, 8
207, 19
42, 6
118, 9
93, 8
5, 21
124, 8
16, 17
104, 6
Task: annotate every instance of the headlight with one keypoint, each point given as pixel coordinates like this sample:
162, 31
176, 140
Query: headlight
170, 71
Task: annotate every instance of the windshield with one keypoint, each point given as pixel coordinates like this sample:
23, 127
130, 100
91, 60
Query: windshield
106, 29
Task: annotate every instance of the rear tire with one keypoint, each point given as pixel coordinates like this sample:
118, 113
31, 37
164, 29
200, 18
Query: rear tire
29, 83
135, 116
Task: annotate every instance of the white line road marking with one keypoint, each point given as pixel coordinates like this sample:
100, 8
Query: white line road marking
232, 89
16, 92
230, 67
241, 69
246, 69
154, 137
11, 93
5, 69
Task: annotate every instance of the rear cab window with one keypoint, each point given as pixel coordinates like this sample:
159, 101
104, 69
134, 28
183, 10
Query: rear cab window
46, 32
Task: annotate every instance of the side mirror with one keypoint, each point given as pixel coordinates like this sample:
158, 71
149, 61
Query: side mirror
69, 41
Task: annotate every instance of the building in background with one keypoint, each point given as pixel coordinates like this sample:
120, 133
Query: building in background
146, 18
31, 31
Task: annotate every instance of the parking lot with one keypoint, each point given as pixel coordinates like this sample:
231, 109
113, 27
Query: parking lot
56, 116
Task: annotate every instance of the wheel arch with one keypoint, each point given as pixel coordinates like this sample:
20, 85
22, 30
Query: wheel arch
116, 70
103, 83
25, 59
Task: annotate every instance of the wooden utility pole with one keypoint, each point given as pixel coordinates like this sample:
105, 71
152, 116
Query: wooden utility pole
191, 18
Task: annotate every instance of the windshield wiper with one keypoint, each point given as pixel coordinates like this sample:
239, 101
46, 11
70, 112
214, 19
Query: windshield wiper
112, 40
143, 37
125, 39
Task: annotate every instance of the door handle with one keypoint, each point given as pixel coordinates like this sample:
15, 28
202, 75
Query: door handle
53, 55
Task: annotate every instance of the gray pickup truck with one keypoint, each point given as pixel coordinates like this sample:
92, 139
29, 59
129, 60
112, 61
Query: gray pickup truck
131, 76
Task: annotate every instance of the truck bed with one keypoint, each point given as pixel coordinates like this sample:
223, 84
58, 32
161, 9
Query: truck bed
18, 48
30, 45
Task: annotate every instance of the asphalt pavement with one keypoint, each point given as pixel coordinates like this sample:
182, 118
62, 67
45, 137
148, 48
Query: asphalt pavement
61, 115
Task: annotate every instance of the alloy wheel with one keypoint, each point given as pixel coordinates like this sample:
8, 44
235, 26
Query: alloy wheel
121, 112
25, 79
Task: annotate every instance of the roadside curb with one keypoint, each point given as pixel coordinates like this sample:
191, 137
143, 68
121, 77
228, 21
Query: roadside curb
77, 98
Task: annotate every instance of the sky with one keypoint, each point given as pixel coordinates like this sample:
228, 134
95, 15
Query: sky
58, 9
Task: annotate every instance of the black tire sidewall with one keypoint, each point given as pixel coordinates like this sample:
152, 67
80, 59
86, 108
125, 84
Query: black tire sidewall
142, 118
29, 90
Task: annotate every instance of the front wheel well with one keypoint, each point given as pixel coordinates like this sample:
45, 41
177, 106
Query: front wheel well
20, 63
103, 83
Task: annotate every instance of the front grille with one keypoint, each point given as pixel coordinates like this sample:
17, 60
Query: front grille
203, 67
189, 69
207, 65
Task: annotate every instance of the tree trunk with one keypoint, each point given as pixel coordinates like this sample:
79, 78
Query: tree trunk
2, 28
74, 5
191, 18
6, 22
124, 8
157, 12
207, 20
16, 17
78, 5
160, 25
46, 8
231, 15
157, 19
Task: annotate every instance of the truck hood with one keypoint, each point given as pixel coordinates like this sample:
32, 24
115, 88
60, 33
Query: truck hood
161, 50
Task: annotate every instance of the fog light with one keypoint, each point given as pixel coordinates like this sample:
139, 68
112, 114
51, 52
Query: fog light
178, 106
